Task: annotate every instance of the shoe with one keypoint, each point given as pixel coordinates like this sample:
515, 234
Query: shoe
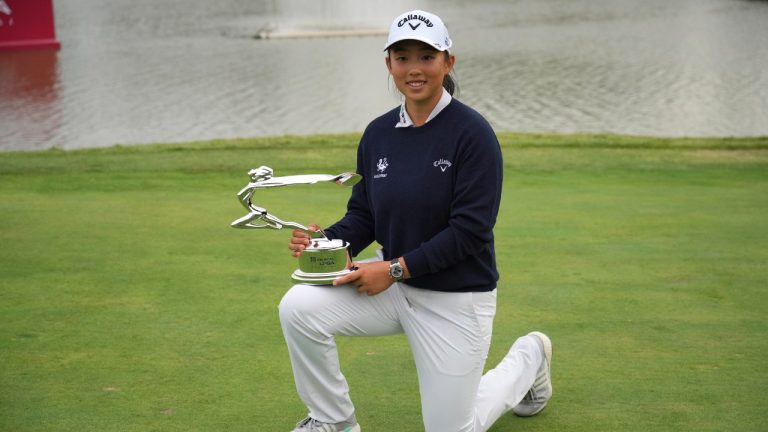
539, 394
311, 425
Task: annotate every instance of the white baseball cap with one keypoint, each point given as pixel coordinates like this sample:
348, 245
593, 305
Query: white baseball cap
421, 26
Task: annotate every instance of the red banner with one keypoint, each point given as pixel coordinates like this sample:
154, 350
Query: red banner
27, 24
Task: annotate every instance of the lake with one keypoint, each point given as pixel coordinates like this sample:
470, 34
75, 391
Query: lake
146, 71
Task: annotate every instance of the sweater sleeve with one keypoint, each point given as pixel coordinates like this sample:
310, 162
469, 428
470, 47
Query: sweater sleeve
474, 207
357, 225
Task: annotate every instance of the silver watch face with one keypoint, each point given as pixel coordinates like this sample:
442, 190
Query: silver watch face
396, 271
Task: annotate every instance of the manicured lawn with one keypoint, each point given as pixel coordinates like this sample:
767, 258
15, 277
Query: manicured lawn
127, 303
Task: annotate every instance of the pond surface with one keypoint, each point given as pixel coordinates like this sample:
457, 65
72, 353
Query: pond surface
144, 71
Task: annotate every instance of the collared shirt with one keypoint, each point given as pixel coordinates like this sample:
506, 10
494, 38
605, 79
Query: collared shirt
405, 119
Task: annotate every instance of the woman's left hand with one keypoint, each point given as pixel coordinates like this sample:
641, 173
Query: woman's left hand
369, 278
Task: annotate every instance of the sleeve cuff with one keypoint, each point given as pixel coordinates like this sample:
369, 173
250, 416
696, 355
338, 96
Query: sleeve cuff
417, 263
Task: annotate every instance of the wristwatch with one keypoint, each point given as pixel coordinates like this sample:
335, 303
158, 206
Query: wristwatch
396, 271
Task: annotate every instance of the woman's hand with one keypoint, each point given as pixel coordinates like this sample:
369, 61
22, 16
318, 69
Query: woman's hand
301, 240
369, 278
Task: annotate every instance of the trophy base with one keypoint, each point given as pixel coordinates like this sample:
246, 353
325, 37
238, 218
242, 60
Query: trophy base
299, 276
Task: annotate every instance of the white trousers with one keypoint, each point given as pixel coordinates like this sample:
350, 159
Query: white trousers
449, 335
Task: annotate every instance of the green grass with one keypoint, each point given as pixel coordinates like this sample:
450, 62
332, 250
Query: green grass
127, 303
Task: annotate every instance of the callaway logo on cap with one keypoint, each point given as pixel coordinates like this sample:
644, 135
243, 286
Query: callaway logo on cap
421, 26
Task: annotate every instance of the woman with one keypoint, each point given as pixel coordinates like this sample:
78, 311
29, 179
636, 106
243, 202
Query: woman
432, 176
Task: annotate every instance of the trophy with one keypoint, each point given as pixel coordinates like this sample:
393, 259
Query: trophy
324, 259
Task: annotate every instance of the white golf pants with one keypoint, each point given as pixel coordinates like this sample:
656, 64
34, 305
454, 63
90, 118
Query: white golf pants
449, 335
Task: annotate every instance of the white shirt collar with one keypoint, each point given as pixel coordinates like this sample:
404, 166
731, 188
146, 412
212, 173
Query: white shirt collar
405, 119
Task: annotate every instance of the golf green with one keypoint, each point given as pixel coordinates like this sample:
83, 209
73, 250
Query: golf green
128, 303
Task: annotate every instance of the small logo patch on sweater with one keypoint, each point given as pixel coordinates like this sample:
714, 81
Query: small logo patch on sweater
381, 166
443, 164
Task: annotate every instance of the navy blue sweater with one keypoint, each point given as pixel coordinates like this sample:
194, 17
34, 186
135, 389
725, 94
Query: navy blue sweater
431, 195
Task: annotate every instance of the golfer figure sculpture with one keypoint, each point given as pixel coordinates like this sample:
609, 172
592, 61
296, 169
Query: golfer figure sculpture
324, 259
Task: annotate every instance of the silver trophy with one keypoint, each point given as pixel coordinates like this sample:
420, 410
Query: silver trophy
324, 259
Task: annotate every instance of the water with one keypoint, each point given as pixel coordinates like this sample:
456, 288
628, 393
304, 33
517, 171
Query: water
143, 71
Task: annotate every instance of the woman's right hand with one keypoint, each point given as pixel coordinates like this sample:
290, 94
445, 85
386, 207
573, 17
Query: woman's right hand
300, 240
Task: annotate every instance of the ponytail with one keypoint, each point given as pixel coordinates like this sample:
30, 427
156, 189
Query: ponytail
450, 84
449, 81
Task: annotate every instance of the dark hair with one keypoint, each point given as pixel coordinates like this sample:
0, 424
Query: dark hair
449, 81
